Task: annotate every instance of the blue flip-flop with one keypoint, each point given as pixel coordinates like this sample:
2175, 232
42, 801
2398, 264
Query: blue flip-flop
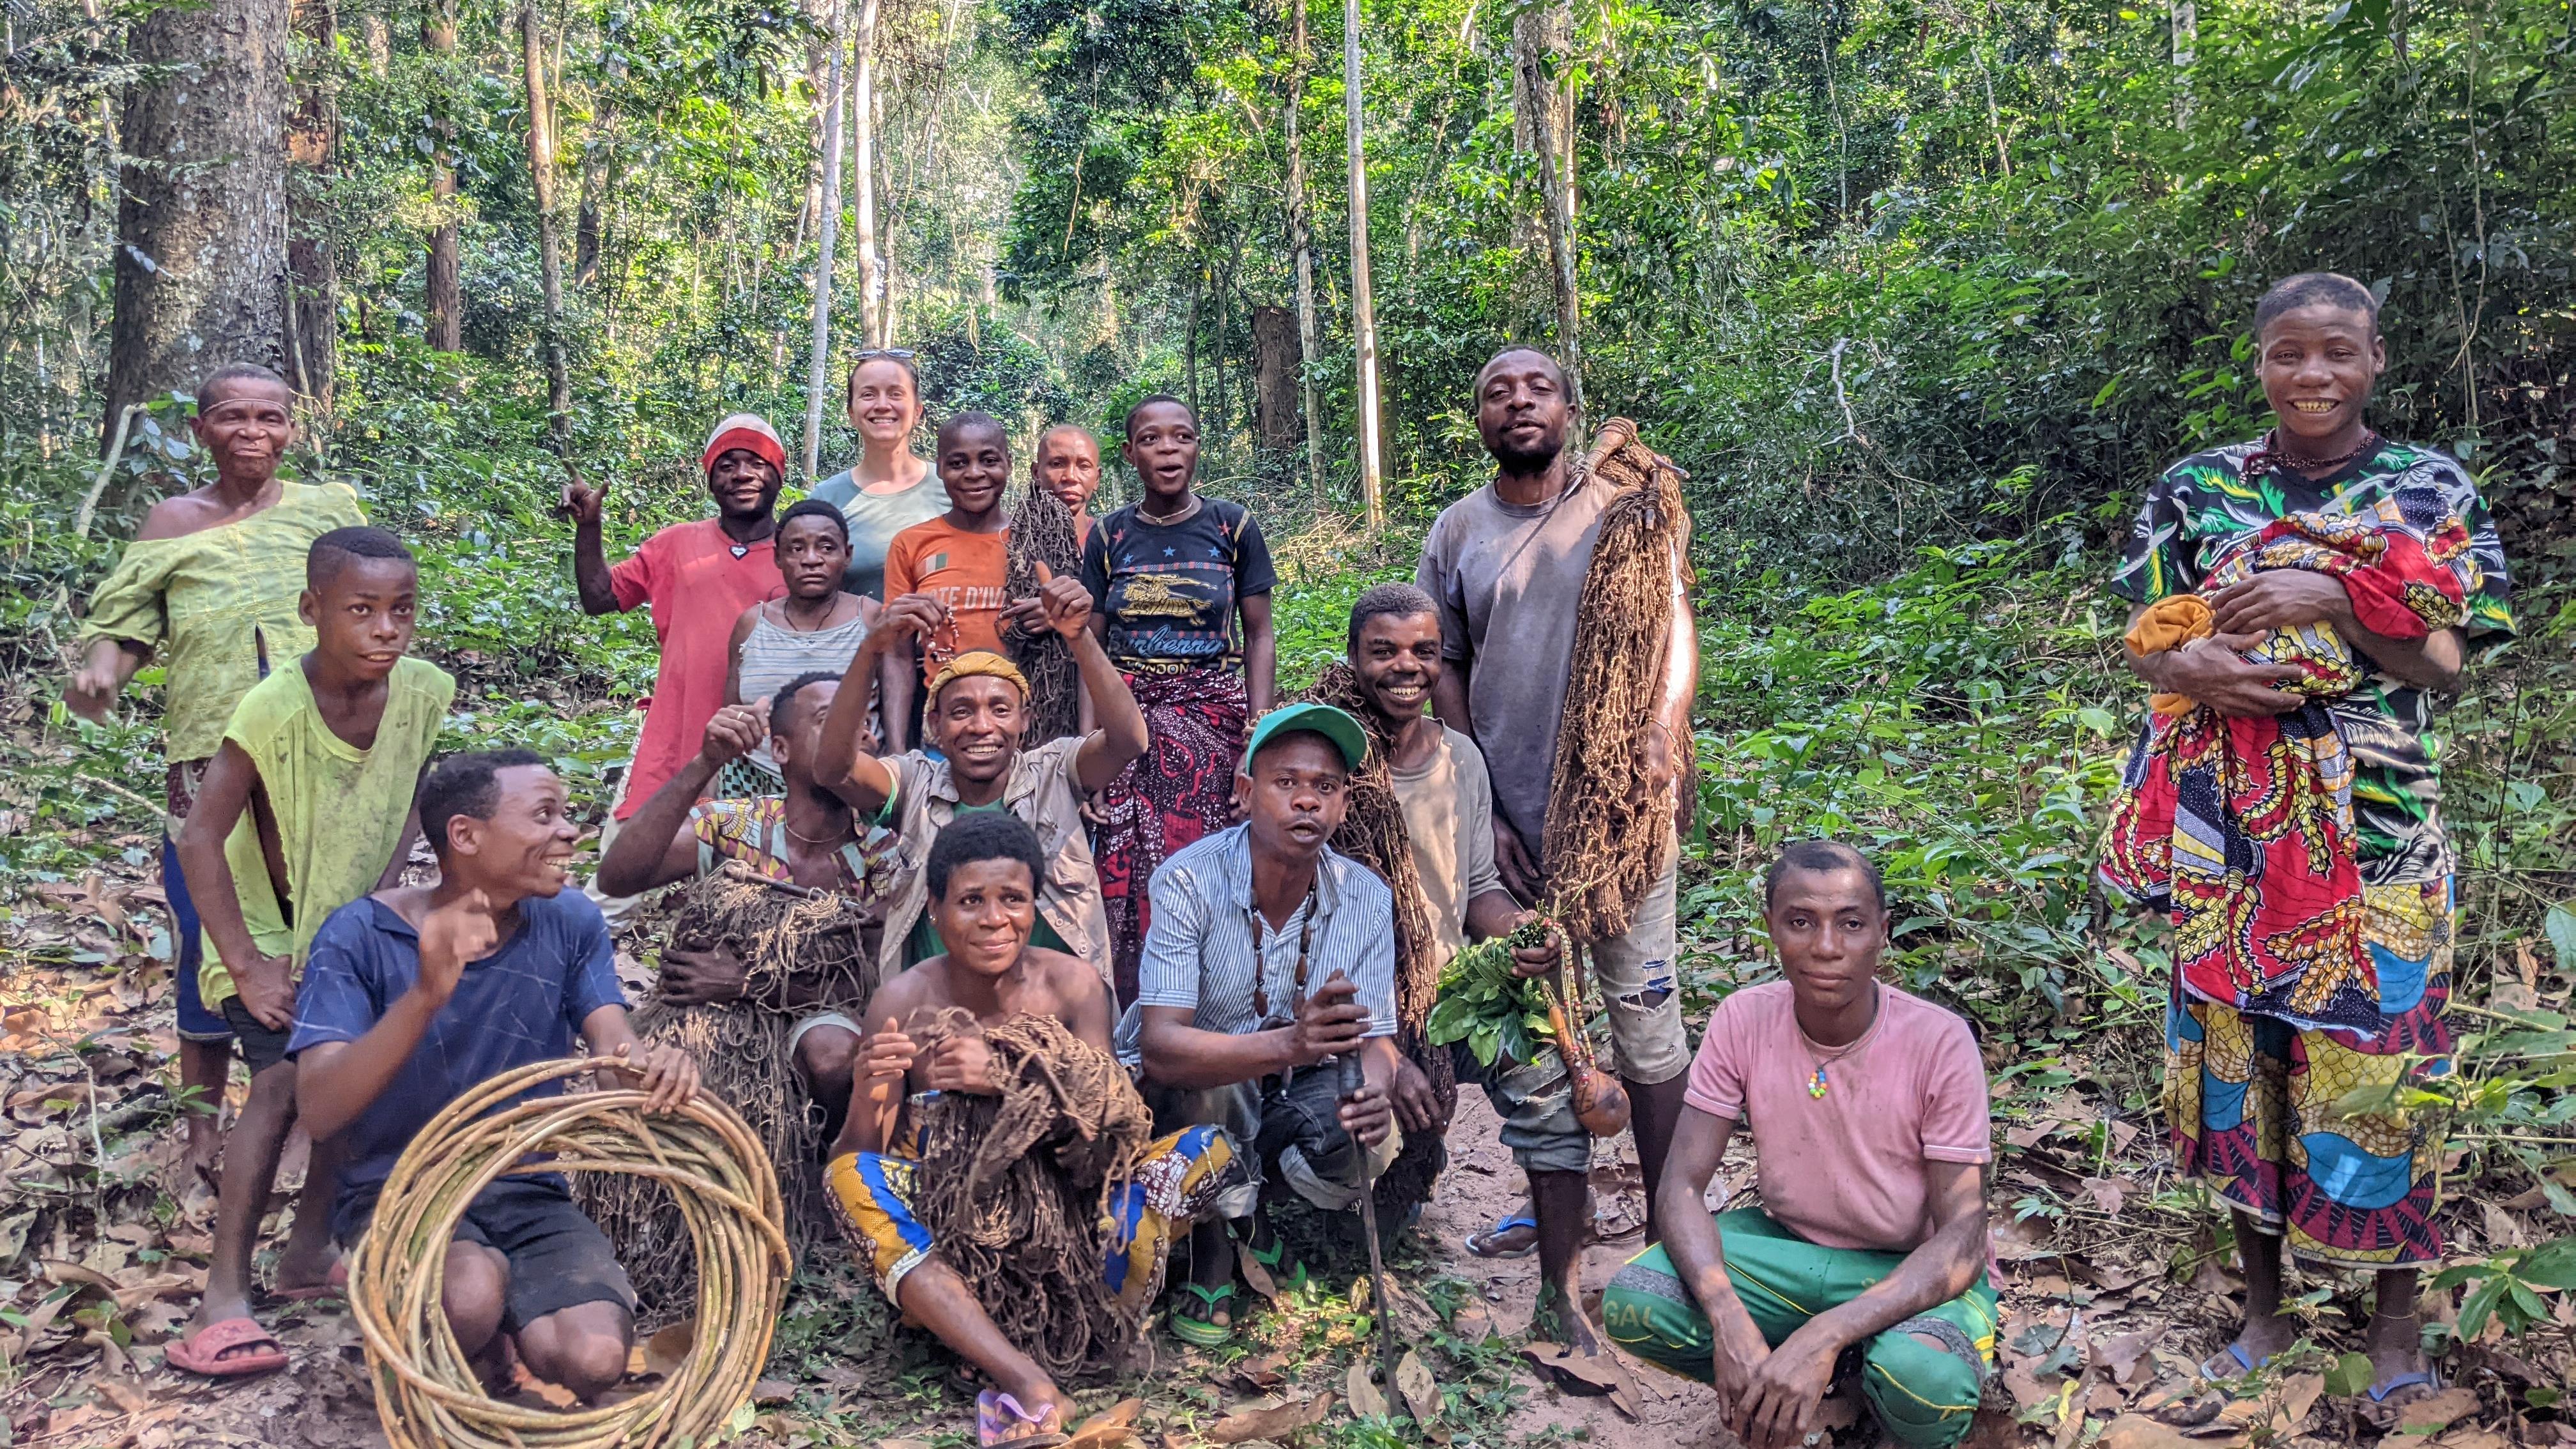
2244, 1361
2379, 1392
1501, 1226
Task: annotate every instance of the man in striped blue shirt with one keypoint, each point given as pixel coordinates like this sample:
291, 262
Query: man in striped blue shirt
1268, 959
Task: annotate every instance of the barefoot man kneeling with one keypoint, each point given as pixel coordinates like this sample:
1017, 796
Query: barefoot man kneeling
983, 876
1870, 1126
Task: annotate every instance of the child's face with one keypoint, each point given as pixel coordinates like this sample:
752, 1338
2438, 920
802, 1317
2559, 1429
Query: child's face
362, 614
986, 915
975, 464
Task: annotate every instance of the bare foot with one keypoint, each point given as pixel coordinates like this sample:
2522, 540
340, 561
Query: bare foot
1559, 1319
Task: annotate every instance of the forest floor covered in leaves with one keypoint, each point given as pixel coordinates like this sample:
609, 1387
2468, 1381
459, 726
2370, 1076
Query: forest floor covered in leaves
103, 1246
1960, 720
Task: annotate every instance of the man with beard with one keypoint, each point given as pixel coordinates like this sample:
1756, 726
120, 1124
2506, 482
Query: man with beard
1439, 779
1506, 566
698, 578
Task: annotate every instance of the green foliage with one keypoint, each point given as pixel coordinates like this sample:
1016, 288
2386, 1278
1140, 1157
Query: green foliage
2508, 1286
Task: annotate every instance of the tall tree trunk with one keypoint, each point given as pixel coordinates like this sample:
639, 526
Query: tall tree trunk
1274, 380
541, 177
444, 306
594, 194
312, 132
863, 116
379, 42
1301, 245
1363, 304
1539, 34
827, 213
2186, 47
1190, 343
201, 210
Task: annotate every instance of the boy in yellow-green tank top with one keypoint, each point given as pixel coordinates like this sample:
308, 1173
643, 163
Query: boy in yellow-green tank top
323, 759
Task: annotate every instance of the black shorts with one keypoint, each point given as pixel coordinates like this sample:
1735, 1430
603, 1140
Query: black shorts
260, 1048
558, 1257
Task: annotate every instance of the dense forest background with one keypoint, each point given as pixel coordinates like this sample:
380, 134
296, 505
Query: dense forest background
1921, 293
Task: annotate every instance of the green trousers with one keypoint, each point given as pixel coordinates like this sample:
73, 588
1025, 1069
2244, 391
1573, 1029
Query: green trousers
1924, 1395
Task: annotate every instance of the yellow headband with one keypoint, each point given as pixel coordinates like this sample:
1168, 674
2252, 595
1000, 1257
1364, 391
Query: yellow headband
974, 662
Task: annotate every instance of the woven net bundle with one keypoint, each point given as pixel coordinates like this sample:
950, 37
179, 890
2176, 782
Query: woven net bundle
1042, 531
427, 1394
1013, 1187
819, 941
1372, 832
1606, 831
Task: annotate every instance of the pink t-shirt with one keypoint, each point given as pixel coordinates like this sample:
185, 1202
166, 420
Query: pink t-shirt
1845, 1170
698, 586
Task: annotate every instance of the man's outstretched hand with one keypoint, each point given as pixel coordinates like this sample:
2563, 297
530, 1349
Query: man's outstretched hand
667, 1075
582, 499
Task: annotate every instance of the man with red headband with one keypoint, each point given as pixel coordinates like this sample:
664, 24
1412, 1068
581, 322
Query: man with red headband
698, 578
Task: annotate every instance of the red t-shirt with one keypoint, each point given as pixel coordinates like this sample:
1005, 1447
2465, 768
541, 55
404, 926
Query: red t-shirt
698, 586
962, 570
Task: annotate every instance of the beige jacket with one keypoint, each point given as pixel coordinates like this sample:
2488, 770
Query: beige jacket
1043, 792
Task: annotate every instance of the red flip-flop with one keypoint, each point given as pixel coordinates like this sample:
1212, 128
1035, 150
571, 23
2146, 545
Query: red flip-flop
203, 1352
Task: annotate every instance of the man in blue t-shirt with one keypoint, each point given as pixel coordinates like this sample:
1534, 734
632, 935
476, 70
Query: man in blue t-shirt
414, 996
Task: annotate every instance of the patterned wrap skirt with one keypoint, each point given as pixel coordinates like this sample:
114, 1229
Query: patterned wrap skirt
2255, 1104
1180, 789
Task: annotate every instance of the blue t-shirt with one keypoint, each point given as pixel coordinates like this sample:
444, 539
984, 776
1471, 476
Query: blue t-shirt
523, 1003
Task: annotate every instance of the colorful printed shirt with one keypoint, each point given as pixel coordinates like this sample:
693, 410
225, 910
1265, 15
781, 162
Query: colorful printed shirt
222, 603
754, 832
1170, 591
2204, 503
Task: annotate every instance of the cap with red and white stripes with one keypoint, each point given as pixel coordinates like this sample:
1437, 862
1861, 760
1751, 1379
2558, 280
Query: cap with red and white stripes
750, 432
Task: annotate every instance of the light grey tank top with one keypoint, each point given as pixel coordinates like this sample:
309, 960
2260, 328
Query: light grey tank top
771, 656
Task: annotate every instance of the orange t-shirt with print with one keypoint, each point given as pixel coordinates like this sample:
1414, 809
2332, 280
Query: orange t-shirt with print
961, 570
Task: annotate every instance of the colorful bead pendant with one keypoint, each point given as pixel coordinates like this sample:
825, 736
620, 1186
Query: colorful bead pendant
1819, 1086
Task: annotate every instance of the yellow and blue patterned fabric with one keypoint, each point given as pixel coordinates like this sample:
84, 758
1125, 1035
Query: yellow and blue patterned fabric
1180, 1178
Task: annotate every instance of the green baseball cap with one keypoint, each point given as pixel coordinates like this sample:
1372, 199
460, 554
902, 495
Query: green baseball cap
1333, 724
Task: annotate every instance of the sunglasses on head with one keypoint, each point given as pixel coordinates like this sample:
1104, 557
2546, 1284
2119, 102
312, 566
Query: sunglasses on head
872, 353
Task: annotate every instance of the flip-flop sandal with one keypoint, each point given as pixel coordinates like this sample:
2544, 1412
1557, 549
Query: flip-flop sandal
1202, 1331
1500, 1227
2380, 1391
2245, 1364
203, 1352
1294, 1274
1000, 1421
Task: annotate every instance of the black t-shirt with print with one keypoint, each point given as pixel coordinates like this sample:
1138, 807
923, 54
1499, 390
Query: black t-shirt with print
1168, 590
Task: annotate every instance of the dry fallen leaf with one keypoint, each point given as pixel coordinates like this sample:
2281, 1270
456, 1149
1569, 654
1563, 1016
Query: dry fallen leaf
2136, 1431
2431, 1416
1362, 1391
1421, 1392
665, 1351
2122, 1353
1111, 1428
2298, 1396
1278, 1422
1258, 1375
122, 1394
1601, 1372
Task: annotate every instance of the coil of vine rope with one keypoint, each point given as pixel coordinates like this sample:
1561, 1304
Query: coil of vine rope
427, 1395
1043, 532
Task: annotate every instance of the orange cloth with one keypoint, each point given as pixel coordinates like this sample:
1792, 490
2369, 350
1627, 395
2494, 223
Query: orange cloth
2170, 623
977, 662
962, 570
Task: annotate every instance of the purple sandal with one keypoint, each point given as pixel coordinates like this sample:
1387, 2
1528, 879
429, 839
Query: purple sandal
1000, 1421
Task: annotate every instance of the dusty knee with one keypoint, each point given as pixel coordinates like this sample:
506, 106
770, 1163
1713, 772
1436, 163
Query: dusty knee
473, 1289
827, 1054
583, 1348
